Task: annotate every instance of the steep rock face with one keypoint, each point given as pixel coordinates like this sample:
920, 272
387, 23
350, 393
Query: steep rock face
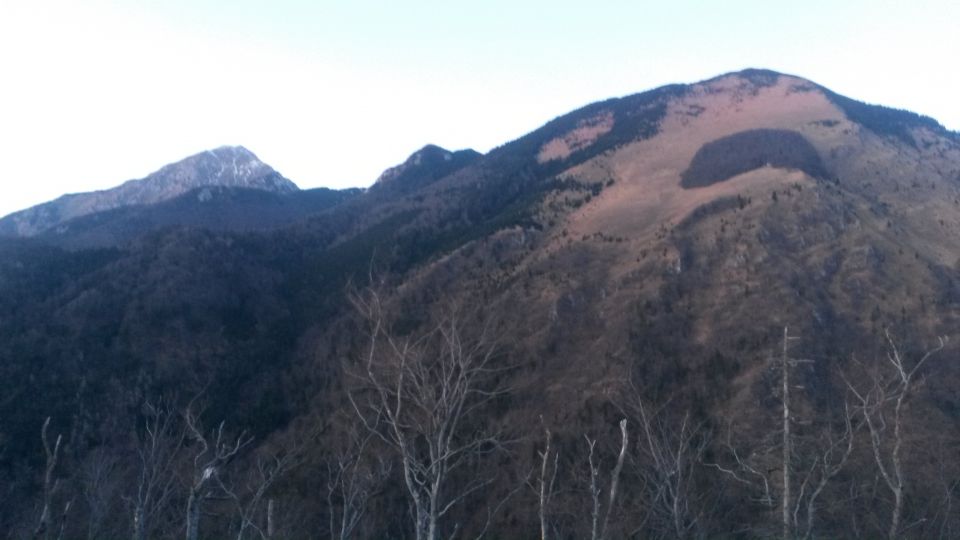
229, 166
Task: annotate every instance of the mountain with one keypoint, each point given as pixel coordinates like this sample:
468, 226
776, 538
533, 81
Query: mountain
228, 166
640, 258
424, 167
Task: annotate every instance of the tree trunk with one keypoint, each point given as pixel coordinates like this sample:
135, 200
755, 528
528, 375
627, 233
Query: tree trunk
785, 368
545, 460
615, 478
193, 516
139, 525
897, 510
432, 520
271, 525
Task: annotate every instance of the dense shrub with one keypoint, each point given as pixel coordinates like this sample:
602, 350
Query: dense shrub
742, 152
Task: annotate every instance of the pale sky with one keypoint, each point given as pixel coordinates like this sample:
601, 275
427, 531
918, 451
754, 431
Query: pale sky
330, 93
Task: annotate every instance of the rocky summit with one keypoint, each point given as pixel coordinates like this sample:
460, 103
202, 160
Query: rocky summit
228, 166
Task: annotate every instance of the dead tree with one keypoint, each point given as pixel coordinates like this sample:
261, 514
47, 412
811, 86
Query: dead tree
669, 453
214, 451
787, 441
881, 404
830, 456
745, 470
950, 484
353, 474
158, 448
100, 478
826, 458
269, 468
785, 362
419, 395
750, 471
549, 462
598, 528
51, 486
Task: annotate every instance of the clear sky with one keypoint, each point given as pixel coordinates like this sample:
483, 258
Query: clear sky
330, 93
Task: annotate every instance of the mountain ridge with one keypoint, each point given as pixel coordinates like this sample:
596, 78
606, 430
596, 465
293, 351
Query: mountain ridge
232, 166
218, 208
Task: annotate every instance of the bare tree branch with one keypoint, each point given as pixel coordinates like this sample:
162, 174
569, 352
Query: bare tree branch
416, 393
50, 484
158, 447
884, 397
215, 451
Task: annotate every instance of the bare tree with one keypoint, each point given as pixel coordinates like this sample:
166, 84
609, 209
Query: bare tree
950, 484
882, 405
826, 457
745, 470
51, 486
549, 465
214, 451
787, 440
158, 446
598, 529
419, 395
667, 463
100, 480
830, 455
352, 476
269, 467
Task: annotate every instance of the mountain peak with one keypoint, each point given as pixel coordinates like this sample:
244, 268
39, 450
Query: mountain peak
758, 74
233, 166
228, 166
425, 166
231, 152
429, 153
882, 120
